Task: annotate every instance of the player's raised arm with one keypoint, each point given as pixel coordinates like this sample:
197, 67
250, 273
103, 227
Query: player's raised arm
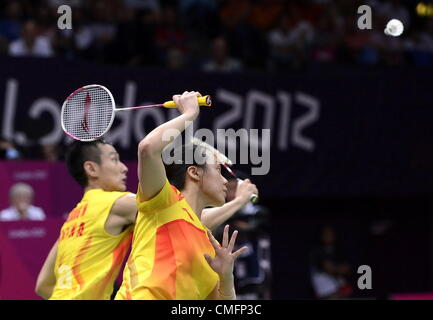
214, 217
151, 170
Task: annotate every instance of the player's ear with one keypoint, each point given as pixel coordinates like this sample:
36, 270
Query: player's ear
91, 169
194, 173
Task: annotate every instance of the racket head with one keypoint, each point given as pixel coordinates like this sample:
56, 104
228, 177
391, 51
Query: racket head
88, 113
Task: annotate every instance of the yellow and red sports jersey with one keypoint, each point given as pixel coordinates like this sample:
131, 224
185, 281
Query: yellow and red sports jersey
167, 257
88, 258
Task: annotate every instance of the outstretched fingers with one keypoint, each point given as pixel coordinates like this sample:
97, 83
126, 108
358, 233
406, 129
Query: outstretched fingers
226, 244
225, 236
208, 259
232, 241
239, 252
213, 241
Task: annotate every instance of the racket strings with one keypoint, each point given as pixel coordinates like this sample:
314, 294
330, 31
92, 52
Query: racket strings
88, 113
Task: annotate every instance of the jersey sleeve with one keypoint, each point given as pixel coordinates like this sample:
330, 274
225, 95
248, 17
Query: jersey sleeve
164, 199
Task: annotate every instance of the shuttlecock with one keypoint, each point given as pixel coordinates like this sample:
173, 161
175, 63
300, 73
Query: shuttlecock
394, 28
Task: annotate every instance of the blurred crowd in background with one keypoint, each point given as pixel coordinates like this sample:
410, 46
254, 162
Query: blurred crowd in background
10, 150
217, 35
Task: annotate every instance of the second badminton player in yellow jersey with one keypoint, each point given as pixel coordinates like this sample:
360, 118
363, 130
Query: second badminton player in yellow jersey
88, 257
94, 240
174, 256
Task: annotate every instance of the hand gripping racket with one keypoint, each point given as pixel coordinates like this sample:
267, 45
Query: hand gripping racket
88, 113
226, 162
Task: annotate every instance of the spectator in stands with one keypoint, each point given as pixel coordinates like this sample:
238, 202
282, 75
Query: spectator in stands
175, 59
50, 152
31, 44
10, 25
21, 197
100, 31
246, 42
8, 151
169, 33
289, 42
329, 270
220, 60
328, 33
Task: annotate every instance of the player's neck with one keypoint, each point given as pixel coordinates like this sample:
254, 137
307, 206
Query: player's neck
93, 185
194, 200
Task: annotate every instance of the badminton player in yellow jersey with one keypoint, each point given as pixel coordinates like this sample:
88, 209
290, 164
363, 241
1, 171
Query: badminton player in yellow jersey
85, 261
173, 255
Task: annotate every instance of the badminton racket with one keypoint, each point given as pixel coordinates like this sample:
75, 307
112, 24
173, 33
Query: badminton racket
88, 113
225, 162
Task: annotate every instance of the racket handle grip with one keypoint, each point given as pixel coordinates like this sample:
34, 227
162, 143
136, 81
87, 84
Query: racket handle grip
202, 101
254, 198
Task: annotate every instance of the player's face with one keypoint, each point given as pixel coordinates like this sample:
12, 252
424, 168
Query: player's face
214, 185
111, 171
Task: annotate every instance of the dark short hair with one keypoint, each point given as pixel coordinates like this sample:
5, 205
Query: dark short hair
78, 153
176, 172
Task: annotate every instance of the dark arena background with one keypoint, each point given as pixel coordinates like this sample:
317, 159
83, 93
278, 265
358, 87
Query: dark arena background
350, 114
